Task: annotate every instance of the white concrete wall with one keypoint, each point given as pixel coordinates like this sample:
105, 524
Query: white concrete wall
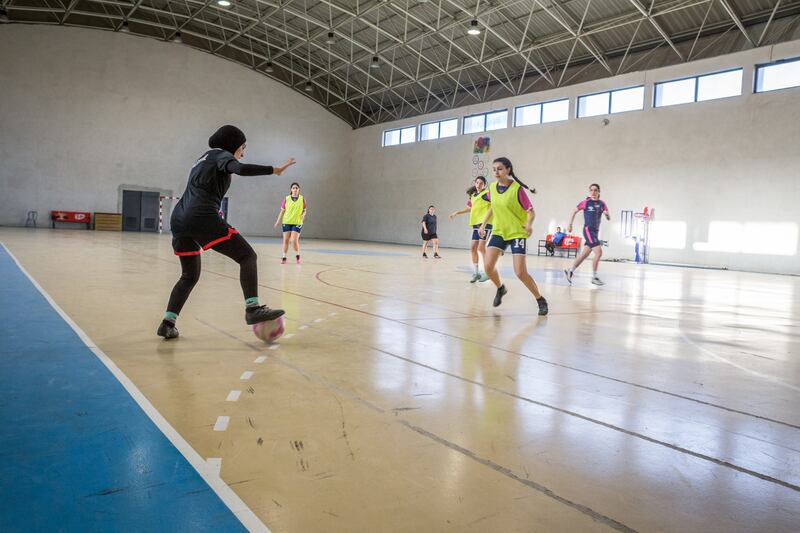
735, 160
83, 112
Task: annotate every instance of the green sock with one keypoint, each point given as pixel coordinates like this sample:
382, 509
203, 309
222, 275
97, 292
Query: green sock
172, 317
251, 302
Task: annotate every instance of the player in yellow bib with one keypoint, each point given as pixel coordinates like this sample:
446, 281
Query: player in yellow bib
292, 215
512, 217
477, 206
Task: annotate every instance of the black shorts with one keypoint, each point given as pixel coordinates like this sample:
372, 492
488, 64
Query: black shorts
429, 236
201, 233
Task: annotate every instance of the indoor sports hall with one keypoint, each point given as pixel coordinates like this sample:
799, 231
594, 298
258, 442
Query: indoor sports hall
400, 265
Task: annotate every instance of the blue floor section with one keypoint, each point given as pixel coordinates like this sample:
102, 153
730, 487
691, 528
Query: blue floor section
76, 452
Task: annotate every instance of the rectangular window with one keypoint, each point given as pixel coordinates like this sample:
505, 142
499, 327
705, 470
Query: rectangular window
474, 124
721, 85
497, 120
527, 115
438, 130
555, 111
699, 88
593, 105
624, 100
781, 74
675, 92
408, 135
391, 137
428, 132
448, 128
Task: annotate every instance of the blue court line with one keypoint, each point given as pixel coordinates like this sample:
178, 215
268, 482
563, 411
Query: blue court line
77, 453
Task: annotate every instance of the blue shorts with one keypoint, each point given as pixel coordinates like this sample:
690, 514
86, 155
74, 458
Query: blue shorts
292, 227
518, 246
590, 236
477, 237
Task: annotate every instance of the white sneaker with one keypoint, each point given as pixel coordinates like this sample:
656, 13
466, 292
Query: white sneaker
568, 273
597, 281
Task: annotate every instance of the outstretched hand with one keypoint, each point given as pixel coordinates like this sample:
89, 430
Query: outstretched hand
289, 162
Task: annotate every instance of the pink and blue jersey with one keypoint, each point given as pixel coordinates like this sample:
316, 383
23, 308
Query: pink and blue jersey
592, 212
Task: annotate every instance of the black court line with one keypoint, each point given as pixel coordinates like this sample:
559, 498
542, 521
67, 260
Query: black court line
507, 472
680, 449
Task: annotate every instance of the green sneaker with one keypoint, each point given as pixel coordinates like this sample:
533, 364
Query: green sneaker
475, 277
483, 277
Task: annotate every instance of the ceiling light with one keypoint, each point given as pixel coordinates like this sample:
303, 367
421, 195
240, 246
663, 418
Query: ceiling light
124, 28
309, 87
269, 68
375, 62
177, 38
330, 39
224, 3
473, 28
4, 15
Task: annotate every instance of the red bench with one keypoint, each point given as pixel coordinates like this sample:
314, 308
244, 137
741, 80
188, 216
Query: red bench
78, 217
569, 244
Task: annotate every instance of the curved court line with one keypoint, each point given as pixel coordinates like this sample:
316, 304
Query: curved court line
239, 509
595, 515
679, 449
553, 363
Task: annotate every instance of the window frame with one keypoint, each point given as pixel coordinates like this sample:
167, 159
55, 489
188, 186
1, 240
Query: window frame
696, 79
439, 129
484, 115
541, 112
610, 93
759, 66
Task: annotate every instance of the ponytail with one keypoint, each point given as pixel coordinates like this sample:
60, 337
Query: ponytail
507, 163
472, 190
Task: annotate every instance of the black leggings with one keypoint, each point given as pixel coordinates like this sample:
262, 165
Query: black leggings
238, 249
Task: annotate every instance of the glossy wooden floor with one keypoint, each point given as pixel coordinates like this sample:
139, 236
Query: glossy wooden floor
400, 400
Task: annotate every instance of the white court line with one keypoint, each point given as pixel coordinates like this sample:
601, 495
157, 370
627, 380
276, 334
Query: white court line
332, 314
225, 493
233, 396
303, 327
260, 359
222, 423
319, 320
274, 347
247, 374
213, 466
362, 305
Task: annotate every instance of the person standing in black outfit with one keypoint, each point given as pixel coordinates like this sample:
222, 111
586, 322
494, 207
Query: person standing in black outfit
429, 233
196, 226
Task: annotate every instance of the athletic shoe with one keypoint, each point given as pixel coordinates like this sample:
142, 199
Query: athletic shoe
424, 255
283, 261
437, 256
597, 281
498, 298
475, 277
167, 330
568, 273
262, 313
543, 309
298, 259
484, 277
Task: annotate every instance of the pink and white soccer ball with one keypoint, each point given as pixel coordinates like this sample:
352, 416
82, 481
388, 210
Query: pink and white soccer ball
269, 331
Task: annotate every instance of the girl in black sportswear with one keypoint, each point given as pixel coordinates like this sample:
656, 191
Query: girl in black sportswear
196, 226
